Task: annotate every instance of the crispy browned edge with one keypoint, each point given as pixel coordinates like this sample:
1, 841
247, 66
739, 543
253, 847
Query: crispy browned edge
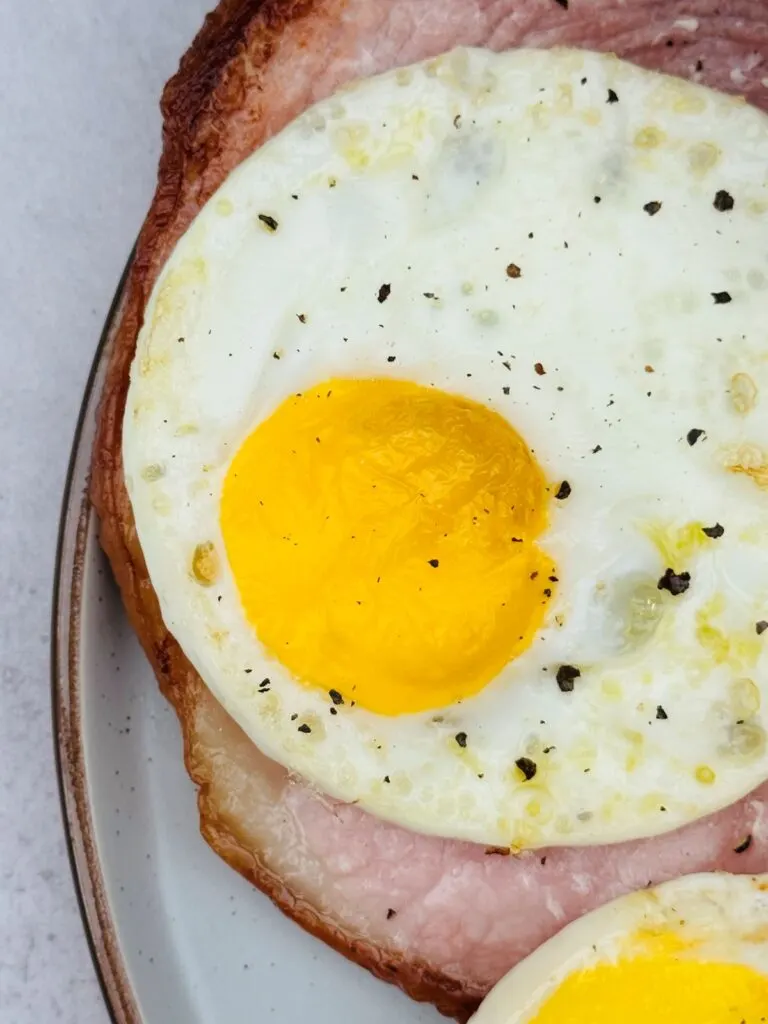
204, 92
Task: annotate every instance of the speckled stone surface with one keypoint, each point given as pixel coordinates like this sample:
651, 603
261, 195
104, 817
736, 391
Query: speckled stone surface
79, 137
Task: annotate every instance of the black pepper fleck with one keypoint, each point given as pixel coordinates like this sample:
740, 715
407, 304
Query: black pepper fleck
391, 913
461, 739
761, 626
744, 845
391, 359
693, 436
304, 728
652, 208
433, 562
384, 292
566, 675
563, 491
539, 369
612, 97
713, 531
675, 582
513, 270
336, 697
527, 767
661, 714
723, 201
721, 298
386, 779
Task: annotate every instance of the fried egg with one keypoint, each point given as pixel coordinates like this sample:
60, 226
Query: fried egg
690, 951
446, 444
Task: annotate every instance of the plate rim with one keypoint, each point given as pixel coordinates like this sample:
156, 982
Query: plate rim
68, 741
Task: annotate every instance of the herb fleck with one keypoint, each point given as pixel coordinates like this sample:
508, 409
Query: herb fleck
269, 222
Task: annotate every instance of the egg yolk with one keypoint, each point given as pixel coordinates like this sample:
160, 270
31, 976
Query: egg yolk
382, 538
659, 990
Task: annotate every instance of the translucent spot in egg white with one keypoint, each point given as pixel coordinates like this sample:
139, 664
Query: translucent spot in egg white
152, 473
638, 606
746, 741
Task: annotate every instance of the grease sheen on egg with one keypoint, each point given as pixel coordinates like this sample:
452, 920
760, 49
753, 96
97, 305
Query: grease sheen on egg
486, 235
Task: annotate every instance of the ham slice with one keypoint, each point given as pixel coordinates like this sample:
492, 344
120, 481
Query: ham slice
443, 919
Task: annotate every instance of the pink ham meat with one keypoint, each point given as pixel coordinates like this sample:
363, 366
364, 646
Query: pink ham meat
443, 919
469, 911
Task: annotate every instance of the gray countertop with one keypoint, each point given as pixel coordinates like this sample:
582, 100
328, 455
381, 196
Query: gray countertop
79, 138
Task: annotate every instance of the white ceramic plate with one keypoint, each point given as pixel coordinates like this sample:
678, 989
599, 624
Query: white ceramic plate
177, 937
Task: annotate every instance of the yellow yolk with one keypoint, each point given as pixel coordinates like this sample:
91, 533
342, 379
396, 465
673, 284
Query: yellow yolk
659, 990
382, 537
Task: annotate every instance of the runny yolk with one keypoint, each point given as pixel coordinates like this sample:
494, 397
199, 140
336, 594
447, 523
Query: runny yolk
382, 537
659, 990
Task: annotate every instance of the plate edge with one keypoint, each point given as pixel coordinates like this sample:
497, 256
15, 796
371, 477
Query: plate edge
69, 754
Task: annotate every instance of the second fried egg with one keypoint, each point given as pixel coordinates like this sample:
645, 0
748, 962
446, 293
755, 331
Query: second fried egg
445, 447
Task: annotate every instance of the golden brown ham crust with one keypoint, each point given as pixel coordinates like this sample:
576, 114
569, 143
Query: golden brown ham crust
235, 87
198, 106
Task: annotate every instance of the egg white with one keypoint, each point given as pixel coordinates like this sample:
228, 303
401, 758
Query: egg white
723, 917
434, 179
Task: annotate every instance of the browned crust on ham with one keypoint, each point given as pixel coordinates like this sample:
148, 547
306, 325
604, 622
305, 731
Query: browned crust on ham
226, 59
